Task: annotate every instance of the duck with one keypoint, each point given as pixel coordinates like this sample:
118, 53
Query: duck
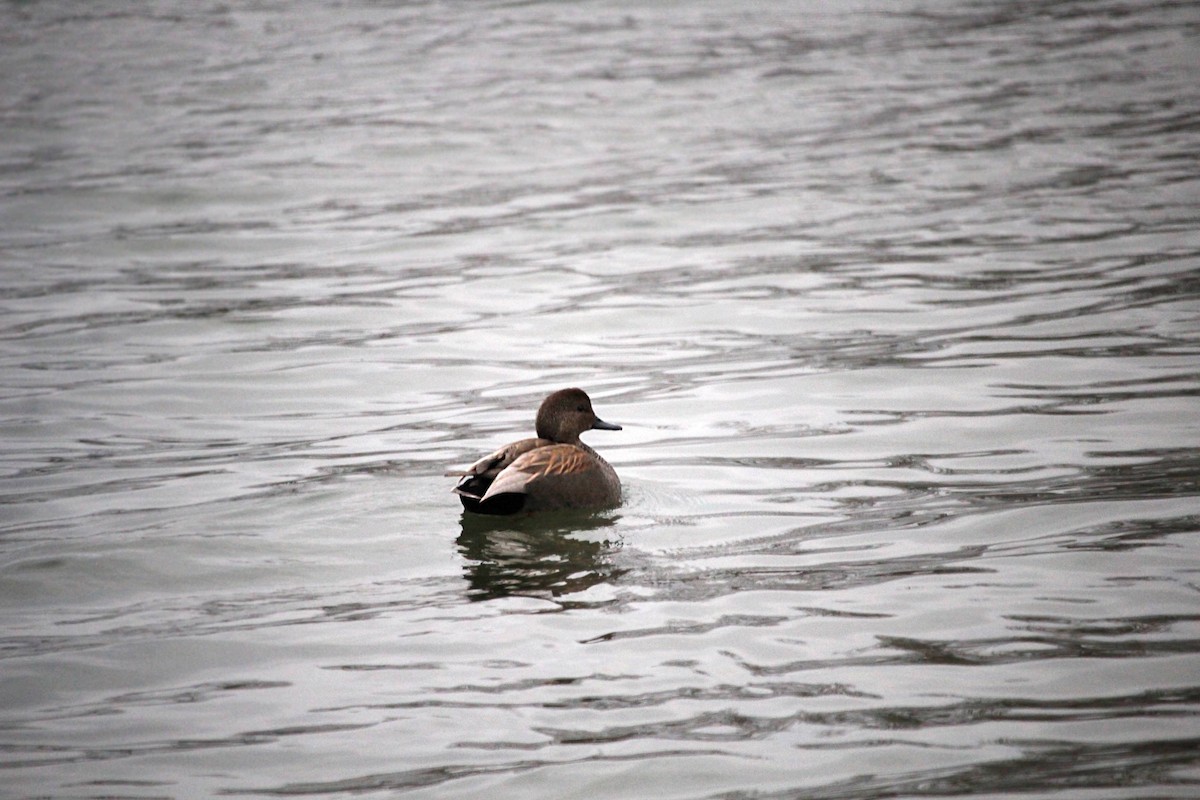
553, 471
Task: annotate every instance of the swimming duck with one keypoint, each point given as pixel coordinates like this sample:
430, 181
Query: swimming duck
554, 471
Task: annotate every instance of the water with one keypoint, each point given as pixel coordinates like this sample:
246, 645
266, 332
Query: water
898, 304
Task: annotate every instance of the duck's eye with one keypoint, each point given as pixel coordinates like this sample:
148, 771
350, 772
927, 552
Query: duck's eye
581, 409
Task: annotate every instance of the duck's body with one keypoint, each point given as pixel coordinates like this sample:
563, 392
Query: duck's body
553, 471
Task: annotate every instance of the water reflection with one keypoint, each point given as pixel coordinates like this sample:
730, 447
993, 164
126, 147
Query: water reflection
539, 554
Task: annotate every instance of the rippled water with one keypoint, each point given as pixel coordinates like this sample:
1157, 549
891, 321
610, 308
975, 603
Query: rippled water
898, 304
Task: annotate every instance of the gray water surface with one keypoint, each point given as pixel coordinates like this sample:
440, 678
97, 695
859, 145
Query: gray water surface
898, 304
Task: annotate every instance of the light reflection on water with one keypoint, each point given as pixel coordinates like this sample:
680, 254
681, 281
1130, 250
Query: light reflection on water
897, 305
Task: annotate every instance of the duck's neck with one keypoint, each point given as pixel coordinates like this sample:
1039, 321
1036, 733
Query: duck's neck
581, 444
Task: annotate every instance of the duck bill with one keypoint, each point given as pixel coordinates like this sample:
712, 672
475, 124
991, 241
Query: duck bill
601, 425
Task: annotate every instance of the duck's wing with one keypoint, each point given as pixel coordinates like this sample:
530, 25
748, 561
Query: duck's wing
548, 461
479, 476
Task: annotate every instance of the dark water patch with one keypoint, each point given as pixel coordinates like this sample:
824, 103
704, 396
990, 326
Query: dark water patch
13, 756
949, 492
1159, 768
191, 616
691, 628
696, 583
732, 726
1032, 648
130, 702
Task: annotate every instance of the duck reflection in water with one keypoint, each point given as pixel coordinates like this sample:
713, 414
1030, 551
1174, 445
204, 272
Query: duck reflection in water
553, 471
536, 555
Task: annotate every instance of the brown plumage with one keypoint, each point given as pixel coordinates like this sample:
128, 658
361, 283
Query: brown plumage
555, 470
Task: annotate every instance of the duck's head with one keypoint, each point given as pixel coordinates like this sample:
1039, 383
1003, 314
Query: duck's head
567, 413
